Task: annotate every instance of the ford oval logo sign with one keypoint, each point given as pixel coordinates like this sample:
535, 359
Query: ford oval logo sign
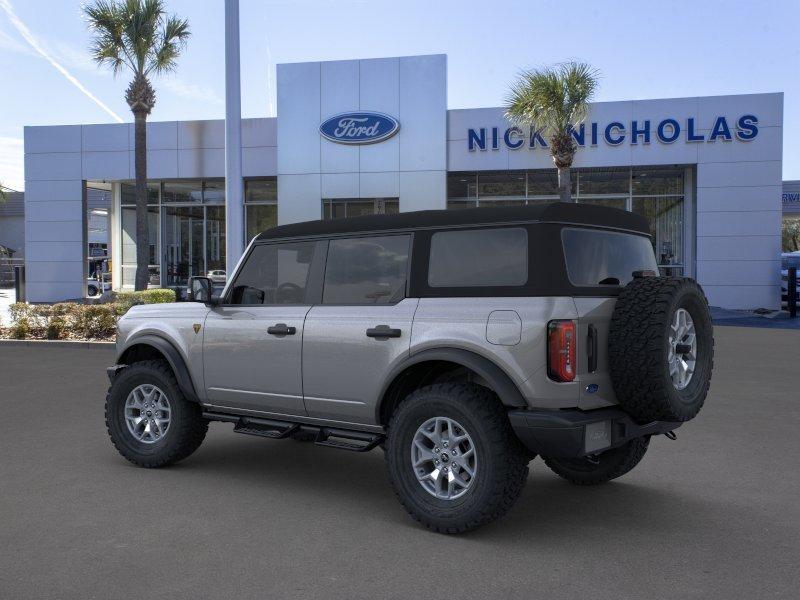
359, 128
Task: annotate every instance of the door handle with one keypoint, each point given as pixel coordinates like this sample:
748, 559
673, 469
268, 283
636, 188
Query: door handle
383, 331
281, 329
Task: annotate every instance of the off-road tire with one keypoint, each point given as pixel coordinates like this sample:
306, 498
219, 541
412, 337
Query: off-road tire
502, 461
638, 344
187, 428
602, 467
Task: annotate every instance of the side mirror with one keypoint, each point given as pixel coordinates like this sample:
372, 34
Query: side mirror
199, 290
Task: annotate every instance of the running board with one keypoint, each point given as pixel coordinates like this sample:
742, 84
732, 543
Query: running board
332, 437
265, 428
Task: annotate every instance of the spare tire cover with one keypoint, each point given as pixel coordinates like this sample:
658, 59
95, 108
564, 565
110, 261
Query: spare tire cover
661, 349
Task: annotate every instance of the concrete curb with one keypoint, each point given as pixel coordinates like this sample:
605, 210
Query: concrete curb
70, 344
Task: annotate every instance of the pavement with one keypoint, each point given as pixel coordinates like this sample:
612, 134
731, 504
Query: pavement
712, 515
768, 319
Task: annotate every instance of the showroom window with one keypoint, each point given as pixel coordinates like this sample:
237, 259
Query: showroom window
356, 207
657, 193
186, 225
261, 205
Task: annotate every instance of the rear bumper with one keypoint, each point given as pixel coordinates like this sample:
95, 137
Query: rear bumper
572, 433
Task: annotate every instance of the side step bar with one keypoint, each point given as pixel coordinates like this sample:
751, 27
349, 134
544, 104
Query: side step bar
332, 437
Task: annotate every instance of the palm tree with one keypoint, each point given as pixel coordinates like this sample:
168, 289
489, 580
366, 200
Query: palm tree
137, 35
555, 100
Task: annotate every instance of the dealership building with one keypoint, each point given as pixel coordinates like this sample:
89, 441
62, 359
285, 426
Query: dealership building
375, 136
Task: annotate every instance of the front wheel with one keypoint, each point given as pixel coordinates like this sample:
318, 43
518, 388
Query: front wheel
149, 420
600, 468
453, 459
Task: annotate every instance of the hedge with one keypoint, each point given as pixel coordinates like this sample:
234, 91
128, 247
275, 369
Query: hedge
70, 320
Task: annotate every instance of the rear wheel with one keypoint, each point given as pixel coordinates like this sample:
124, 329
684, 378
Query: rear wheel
453, 459
149, 420
600, 468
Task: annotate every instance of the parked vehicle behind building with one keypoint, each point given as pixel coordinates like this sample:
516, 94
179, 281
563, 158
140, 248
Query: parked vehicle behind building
464, 343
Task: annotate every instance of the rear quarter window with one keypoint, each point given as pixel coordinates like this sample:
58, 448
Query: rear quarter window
479, 258
599, 258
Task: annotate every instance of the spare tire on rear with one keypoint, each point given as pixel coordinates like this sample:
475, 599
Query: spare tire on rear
661, 349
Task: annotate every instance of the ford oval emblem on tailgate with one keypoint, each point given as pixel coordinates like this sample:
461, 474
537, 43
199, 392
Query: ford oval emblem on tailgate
592, 388
359, 128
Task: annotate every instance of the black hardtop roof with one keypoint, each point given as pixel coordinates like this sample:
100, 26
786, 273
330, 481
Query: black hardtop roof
552, 212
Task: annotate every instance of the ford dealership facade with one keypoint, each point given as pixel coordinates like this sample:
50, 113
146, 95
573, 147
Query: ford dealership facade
375, 136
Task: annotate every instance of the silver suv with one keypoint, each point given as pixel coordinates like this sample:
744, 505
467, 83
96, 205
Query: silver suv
463, 343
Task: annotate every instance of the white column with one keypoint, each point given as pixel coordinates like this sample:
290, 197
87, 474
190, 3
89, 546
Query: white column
234, 186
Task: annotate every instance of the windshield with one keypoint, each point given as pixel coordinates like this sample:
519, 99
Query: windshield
595, 257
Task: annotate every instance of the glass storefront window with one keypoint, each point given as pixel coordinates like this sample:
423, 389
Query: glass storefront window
128, 193
183, 190
514, 202
655, 192
462, 185
611, 202
666, 225
183, 243
261, 190
544, 183
214, 191
260, 217
215, 238
457, 204
603, 181
189, 240
128, 222
657, 181
355, 207
494, 184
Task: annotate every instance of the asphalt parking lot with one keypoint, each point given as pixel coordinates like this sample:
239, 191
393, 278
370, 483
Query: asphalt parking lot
715, 514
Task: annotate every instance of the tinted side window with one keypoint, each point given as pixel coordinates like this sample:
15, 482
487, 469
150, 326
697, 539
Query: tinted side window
369, 270
479, 258
274, 274
605, 257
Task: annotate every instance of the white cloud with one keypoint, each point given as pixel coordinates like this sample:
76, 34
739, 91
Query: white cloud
34, 43
8, 42
192, 91
12, 160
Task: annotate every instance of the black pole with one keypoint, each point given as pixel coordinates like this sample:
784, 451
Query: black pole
791, 291
19, 283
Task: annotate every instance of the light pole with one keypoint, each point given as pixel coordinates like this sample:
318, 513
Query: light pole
234, 185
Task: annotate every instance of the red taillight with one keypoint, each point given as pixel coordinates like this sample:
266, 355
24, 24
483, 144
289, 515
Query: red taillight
561, 350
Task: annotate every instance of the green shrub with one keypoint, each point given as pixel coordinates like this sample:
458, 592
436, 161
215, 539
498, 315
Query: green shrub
95, 321
72, 320
124, 300
56, 328
19, 310
20, 329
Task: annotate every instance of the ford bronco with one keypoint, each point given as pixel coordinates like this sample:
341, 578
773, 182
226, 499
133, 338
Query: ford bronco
464, 343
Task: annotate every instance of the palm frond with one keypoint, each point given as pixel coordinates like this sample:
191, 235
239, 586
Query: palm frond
174, 36
554, 99
135, 34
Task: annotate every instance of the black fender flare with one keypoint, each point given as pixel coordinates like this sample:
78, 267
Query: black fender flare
497, 378
174, 358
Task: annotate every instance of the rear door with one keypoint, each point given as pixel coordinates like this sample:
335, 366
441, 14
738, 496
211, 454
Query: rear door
252, 345
361, 329
603, 261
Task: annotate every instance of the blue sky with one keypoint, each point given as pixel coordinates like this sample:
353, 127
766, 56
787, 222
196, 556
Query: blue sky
644, 49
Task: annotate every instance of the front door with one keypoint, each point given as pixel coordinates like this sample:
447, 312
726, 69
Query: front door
361, 329
253, 341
